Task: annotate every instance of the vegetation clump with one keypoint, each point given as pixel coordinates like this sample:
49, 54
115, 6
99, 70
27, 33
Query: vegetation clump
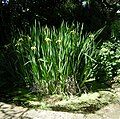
57, 50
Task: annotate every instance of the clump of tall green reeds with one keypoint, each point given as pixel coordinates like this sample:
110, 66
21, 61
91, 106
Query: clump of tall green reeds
56, 60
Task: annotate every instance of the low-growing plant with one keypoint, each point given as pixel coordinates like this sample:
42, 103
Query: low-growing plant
56, 60
108, 61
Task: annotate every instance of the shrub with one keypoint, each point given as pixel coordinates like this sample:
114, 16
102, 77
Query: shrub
116, 29
108, 61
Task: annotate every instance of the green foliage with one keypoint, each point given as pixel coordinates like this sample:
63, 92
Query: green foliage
8, 68
108, 61
56, 61
116, 29
21, 14
87, 103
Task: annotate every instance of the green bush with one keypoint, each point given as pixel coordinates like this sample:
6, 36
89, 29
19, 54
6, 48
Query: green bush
108, 61
56, 60
116, 28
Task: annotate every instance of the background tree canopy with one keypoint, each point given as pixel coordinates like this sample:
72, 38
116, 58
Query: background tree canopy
21, 14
